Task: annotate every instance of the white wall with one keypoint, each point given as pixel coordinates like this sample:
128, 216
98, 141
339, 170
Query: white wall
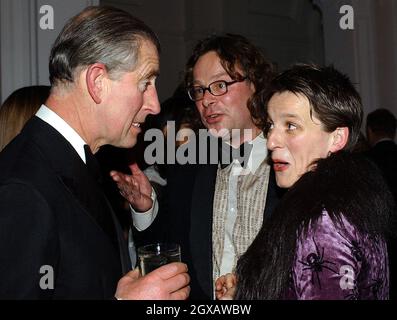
24, 46
287, 30
368, 53
385, 16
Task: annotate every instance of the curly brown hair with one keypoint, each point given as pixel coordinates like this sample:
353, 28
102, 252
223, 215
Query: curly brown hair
236, 53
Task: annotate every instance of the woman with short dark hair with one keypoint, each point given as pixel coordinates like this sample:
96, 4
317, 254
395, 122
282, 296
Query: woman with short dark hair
326, 238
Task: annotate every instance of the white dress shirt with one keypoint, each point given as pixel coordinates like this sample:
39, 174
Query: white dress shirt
60, 125
258, 154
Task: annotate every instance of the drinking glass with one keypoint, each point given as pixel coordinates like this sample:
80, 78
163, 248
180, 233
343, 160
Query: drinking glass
155, 255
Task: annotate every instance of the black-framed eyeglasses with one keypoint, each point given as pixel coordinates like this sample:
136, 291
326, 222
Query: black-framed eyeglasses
216, 88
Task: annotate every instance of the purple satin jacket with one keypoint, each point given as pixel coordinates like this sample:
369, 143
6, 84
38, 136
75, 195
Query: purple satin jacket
339, 263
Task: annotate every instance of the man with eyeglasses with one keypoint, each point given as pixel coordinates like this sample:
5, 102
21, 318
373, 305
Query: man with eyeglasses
216, 88
214, 211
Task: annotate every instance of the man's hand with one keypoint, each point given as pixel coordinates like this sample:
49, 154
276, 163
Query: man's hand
225, 287
169, 282
135, 188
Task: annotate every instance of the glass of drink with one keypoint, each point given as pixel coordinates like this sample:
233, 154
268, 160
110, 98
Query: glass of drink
155, 255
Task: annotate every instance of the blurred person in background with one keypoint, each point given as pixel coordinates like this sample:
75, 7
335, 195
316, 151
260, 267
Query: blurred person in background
18, 108
381, 132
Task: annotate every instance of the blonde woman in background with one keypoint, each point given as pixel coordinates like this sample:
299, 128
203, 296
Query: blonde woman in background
18, 108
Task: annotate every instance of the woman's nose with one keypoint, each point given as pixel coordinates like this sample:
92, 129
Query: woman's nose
273, 140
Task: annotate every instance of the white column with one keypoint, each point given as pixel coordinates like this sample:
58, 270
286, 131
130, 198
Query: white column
18, 45
385, 12
368, 54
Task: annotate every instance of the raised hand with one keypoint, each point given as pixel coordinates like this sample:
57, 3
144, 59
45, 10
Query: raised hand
135, 188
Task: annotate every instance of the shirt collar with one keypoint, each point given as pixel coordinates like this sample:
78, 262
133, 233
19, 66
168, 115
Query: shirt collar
55, 121
258, 154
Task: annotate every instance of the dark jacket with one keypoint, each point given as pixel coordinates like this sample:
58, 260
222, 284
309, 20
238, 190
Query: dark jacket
384, 155
54, 213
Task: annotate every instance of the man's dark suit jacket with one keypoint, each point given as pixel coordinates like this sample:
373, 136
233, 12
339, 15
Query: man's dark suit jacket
185, 217
384, 154
54, 213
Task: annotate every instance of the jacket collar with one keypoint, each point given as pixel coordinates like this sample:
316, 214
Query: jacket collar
74, 175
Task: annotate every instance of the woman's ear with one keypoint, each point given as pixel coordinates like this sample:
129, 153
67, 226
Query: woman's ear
339, 139
95, 77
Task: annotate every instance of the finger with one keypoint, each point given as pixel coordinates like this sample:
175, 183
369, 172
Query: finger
181, 294
114, 172
218, 286
133, 274
219, 282
177, 282
229, 295
134, 168
133, 183
127, 179
119, 177
219, 294
225, 297
115, 176
170, 270
230, 281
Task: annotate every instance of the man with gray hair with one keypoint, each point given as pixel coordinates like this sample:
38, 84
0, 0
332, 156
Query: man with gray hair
60, 238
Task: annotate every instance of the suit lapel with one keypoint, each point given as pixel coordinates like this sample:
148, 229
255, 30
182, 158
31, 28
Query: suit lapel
122, 244
92, 200
73, 174
201, 225
98, 207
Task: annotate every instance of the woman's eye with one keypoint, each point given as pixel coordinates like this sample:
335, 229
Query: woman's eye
291, 126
